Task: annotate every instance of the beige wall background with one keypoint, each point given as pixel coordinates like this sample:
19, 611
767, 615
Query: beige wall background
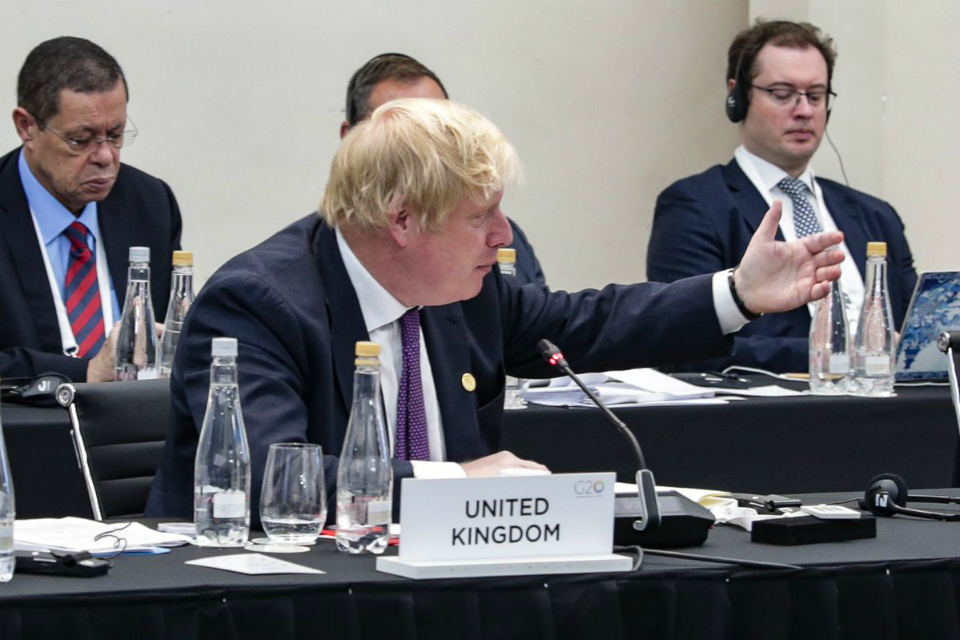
896, 120
608, 101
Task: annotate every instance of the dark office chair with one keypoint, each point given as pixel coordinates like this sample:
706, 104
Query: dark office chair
118, 432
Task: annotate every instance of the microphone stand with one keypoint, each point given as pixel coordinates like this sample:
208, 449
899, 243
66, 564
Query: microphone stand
649, 517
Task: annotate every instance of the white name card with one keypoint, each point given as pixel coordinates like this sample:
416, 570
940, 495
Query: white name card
507, 517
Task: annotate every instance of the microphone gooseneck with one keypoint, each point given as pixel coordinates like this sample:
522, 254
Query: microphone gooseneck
646, 485
552, 354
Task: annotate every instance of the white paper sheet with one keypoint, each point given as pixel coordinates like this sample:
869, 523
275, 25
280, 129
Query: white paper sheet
80, 534
253, 564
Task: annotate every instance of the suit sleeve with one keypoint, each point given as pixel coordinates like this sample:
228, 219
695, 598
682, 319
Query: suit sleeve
176, 223
273, 362
529, 270
618, 327
20, 362
902, 272
684, 241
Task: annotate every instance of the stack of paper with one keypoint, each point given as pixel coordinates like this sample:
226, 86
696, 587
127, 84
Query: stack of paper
634, 387
79, 534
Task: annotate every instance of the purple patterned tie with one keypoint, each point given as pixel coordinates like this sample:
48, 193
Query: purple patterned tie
412, 441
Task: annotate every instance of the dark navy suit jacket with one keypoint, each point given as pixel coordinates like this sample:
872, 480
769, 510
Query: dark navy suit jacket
140, 211
292, 307
703, 224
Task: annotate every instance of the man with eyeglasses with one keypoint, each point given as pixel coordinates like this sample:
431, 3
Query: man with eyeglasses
779, 81
69, 212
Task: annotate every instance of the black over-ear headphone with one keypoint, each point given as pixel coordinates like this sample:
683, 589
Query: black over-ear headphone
738, 98
887, 496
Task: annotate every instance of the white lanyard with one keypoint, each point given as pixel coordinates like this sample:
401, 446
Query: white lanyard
67, 339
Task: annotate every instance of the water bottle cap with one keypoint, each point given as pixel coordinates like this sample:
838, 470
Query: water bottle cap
506, 255
139, 254
183, 258
223, 347
368, 350
876, 249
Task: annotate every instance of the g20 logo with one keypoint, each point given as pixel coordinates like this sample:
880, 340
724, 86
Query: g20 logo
589, 487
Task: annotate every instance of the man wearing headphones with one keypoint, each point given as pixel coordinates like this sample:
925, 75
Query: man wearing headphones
779, 81
391, 76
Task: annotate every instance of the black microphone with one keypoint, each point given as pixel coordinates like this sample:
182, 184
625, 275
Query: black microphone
649, 516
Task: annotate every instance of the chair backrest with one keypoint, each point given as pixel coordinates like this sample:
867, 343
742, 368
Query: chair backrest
118, 429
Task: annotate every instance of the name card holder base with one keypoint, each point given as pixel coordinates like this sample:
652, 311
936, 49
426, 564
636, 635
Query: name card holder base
425, 570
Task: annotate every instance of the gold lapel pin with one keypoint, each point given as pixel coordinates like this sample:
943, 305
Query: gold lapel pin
468, 381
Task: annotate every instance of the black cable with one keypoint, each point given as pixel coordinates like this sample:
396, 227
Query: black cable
836, 151
757, 564
845, 501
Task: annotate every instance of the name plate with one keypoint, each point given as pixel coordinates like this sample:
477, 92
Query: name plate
507, 517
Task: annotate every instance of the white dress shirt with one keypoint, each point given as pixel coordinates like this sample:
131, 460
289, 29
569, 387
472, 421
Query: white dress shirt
51, 220
381, 315
765, 177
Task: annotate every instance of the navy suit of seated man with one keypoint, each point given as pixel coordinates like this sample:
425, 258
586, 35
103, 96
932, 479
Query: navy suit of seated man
69, 213
408, 228
779, 76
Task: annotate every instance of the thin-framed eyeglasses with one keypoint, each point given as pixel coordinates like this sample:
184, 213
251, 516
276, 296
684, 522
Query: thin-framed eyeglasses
119, 542
787, 97
80, 144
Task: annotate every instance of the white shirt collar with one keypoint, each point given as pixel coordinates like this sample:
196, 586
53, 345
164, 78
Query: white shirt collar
769, 173
378, 306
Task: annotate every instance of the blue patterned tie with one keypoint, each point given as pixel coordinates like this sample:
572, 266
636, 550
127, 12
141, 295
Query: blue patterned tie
412, 440
805, 220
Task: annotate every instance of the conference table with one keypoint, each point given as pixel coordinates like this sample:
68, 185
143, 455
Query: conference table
902, 584
783, 445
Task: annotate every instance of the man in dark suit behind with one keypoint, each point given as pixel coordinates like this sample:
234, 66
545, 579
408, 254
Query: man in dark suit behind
69, 212
779, 78
404, 253
390, 76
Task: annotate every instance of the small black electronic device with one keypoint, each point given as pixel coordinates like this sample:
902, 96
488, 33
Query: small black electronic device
887, 496
40, 391
771, 503
61, 563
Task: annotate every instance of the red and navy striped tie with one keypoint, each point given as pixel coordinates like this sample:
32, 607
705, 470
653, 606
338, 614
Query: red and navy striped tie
83, 293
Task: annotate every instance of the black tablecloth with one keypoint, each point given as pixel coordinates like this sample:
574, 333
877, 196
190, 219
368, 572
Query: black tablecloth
769, 445
900, 585
788, 445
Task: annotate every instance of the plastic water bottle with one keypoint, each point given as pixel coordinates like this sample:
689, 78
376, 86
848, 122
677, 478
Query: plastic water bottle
8, 513
513, 387
137, 342
365, 474
829, 345
221, 489
875, 349
181, 297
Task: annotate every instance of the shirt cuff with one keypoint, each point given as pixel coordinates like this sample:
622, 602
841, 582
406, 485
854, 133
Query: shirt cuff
731, 320
437, 470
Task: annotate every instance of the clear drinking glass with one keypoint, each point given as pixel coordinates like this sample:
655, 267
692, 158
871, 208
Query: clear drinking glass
293, 503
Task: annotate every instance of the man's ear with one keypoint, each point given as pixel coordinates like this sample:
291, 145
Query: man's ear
400, 222
25, 124
344, 129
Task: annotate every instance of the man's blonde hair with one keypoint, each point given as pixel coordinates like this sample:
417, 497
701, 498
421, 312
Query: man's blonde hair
429, 154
